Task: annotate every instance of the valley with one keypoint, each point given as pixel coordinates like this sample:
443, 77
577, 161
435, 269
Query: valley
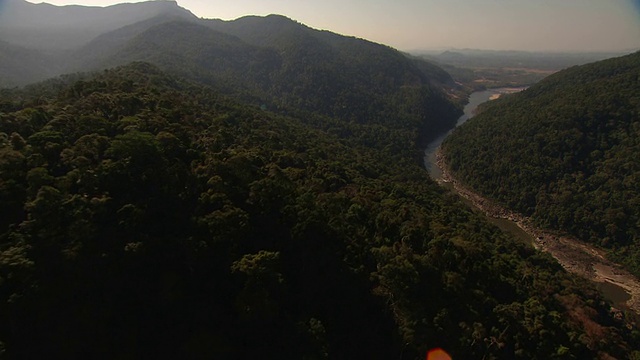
489, 69
619, 286
575, 254
175, 186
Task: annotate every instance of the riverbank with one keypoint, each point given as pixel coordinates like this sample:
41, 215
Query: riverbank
574, 255
503, 91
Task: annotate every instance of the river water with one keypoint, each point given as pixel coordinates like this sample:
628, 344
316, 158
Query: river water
475, 99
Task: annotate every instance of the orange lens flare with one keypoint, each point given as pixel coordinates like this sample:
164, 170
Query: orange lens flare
438, 354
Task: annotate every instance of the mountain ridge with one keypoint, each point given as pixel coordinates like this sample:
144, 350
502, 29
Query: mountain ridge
295, 67
312, 67
44, 26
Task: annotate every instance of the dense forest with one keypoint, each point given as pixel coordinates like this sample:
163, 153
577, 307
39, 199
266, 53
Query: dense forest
251, 188
277, 63
148, 216
565, 151
273, 62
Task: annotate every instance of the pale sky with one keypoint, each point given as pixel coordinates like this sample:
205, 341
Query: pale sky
535, 25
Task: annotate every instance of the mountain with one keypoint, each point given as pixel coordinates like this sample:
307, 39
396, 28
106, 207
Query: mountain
19, 65
183, 47
284, 35
48, 27
145, 215
253, 188
272, 61
286, 66
38, 41
565, 151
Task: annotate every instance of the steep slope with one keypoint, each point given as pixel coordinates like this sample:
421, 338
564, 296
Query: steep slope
19, 66
141, 210
185, 48
286, 35
565, 151
50, 27
38, 41
272, 61
290, 67
97, 53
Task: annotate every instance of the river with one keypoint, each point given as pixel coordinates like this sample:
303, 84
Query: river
475, 99
623, 290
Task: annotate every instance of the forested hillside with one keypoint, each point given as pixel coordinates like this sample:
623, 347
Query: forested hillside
19, 65
286, 66
38, 41
273, 62
565, 151
147, 216
49, 27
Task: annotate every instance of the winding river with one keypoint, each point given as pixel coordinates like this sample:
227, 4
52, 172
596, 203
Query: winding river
430, 161
620, 287
475, 99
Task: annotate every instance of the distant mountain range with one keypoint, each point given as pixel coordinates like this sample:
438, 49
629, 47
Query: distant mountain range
48, 27
476, 58
38, 41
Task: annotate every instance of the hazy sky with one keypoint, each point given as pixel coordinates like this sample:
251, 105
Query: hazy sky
569, 25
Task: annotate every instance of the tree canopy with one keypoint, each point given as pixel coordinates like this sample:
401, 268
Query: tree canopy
144, 215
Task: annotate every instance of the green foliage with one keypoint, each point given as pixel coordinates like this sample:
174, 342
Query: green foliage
565, 152
176, 216
279, 64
